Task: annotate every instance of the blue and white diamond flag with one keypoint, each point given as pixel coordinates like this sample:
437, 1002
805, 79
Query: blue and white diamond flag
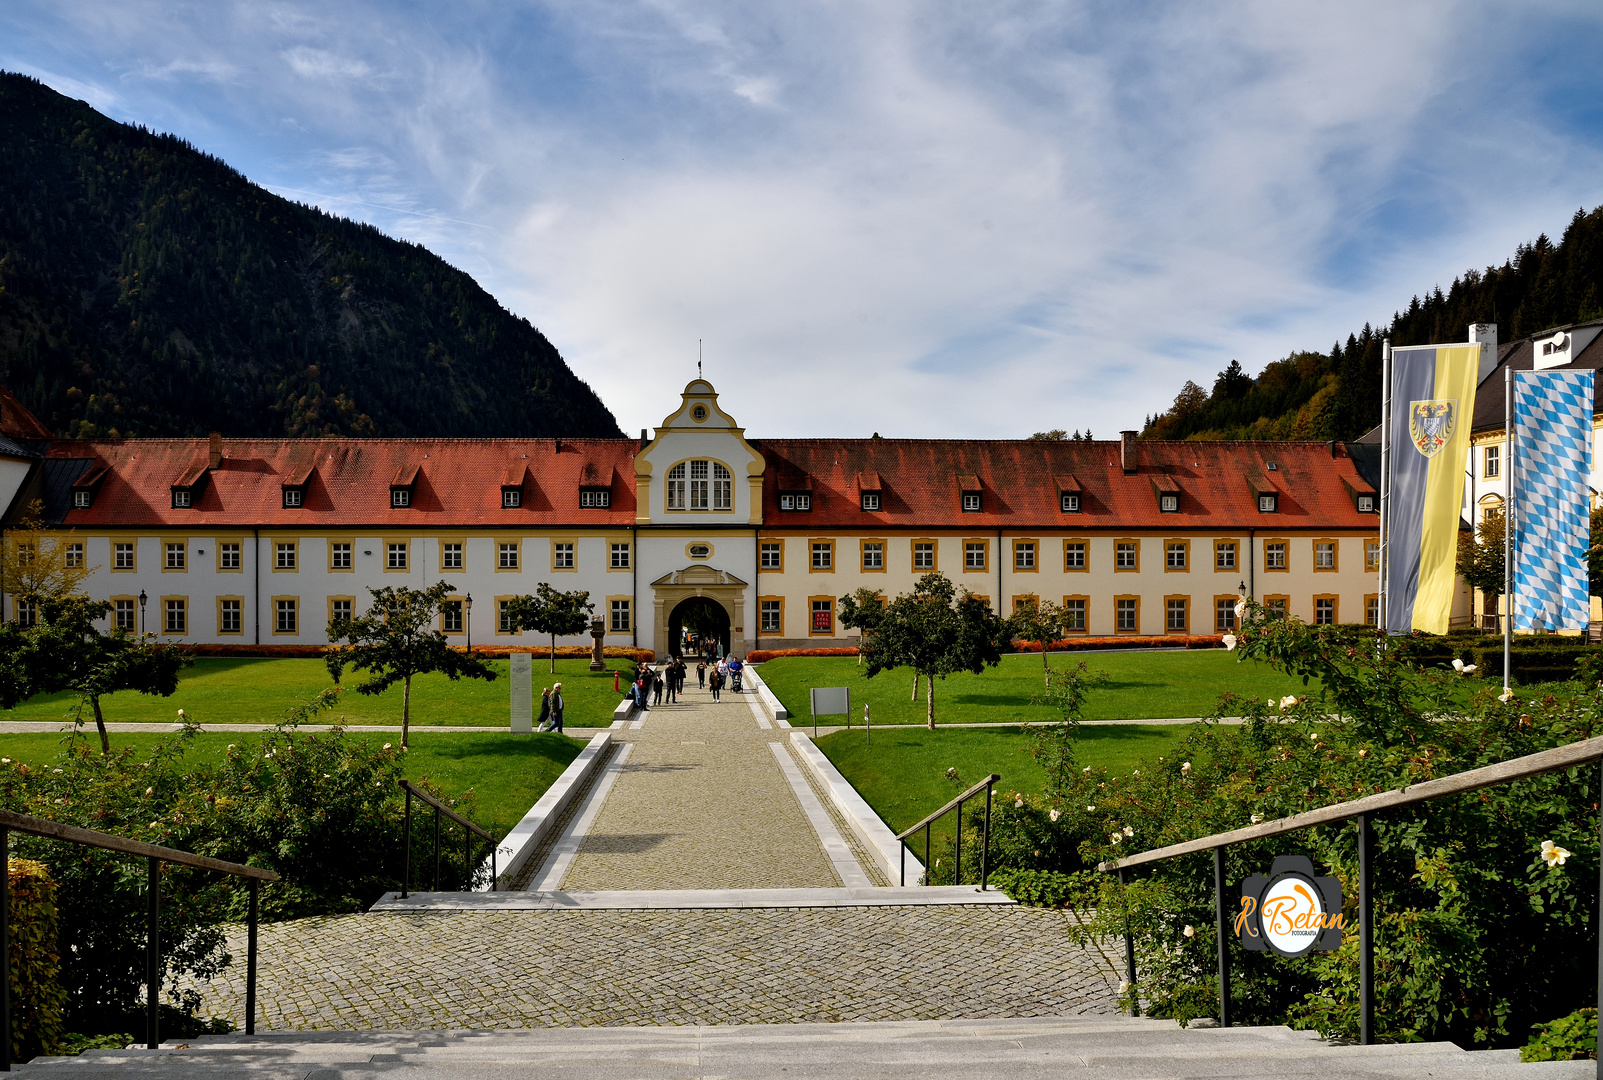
1553, 443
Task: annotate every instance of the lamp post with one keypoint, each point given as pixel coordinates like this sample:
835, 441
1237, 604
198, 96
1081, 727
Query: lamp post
469, 605
142, 599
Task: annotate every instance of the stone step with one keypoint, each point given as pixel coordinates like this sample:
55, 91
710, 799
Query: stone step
1110, 1048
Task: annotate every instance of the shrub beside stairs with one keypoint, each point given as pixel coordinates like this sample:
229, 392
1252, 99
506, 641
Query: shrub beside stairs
1019, 1049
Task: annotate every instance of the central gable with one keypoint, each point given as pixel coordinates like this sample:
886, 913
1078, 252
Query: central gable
699, 469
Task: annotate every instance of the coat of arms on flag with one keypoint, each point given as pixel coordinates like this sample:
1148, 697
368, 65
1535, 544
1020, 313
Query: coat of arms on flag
1431, 424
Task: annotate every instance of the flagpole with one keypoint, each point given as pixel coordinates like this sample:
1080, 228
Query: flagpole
1385, 478
1508, 519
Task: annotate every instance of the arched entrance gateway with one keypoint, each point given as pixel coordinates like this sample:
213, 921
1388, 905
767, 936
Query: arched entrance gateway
700, 596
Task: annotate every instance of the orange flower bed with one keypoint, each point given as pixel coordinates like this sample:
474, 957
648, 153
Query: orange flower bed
757, 656
1165, 641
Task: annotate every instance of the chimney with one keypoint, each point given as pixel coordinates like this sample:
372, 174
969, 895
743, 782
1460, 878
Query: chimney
1486, 335
217, 450
643, 439
1127, 451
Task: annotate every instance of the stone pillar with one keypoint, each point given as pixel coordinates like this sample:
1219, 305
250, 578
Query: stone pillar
598, 633
522, 693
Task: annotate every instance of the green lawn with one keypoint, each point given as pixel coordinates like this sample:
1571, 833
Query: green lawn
902, 771
508, 773
256, 691
1143, 686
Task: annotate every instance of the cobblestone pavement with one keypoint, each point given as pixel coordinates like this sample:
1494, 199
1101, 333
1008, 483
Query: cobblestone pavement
701, 804
613, 968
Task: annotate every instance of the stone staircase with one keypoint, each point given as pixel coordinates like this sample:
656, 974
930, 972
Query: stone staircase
1019, 1049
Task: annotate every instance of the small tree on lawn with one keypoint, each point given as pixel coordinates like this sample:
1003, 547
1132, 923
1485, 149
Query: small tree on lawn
65, 650
396, 639
936, 633
1053, 744
1040, 621
862, 611
548, 611
37, 563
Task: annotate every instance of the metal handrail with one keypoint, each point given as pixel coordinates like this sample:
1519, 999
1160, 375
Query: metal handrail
956, 804
11, 822
1520, 768
468, 829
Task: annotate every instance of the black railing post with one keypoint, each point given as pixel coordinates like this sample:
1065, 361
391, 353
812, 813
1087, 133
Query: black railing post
5, 949
1221, 919
1129, 949
436, 849
1366, 935
926, 854
957, 870
903, 844
406, 844
495, 875
985, 843
153, 959
250, 961
467, 859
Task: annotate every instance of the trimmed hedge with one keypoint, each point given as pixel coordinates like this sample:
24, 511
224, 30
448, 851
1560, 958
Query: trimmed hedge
38, 1003
316, 652
757, 656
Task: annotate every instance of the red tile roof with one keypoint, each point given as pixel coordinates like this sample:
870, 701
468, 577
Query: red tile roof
16, 421
1021, 481
456, 482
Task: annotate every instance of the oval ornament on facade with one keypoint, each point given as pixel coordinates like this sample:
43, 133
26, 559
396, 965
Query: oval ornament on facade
699, 551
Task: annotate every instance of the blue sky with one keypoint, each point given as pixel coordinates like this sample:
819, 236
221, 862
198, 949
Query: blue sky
963, 219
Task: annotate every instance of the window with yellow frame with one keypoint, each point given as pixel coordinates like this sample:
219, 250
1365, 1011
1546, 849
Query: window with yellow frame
1077, 614
1127, 614
1326, 552
871, 554
1177, 555
1026, 555
1127, 555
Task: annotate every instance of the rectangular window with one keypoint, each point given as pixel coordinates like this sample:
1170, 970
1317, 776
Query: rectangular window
772, 553
292, 498
971, 503
619, 617
340, 610
1069, 502
284, 556
676, 487
183, 498
871, 500
511, 498
1224, 555
698, 485
1274, 555
450, 555
507, 556
1126, 612
1494, 462
1024, 555
1266, 504
1224, 614
1126, 555
923, 556
286, 622
395, 556
1279, 605
123, 614
175, 556
1169, 504
974, 554
562, 556
1174, 554
620, 556
874, 556
1324, 555
771, 615
823, 616
720, 487
1372, 611
1366, 504
400, 497
595, 498
823, 555
795, 501
230, 618
228, 555
1175, 621
1074, 613
1074, 555
177, 615
1324, 610
451, 617
81, 500
122, 556
27, 614
1371, 555
505, 607
75, 555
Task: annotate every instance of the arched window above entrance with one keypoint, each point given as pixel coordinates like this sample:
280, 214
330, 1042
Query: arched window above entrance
700, 484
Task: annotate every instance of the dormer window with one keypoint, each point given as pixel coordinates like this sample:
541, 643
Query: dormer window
183, 498
1268, 504
294, 498
971, 502
1169, 504
401, 487
511, 498
795, 500
1366, 504
400, 497
595, 498
1069, 502
870, 500
82, 500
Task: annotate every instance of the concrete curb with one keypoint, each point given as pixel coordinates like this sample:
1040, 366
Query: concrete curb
875, 835
686, 899
774, 707
623, 712
528, 834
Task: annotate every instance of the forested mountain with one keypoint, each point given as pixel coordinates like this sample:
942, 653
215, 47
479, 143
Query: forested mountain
148, 289
1336, 395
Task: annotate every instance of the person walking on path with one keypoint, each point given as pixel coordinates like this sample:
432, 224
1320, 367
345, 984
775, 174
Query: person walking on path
556, 708
545, 708
656, 688
642, 691
715, 684
672, 680
701, 674
735, 668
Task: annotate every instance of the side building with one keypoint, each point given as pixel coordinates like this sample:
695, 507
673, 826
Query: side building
262, 541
